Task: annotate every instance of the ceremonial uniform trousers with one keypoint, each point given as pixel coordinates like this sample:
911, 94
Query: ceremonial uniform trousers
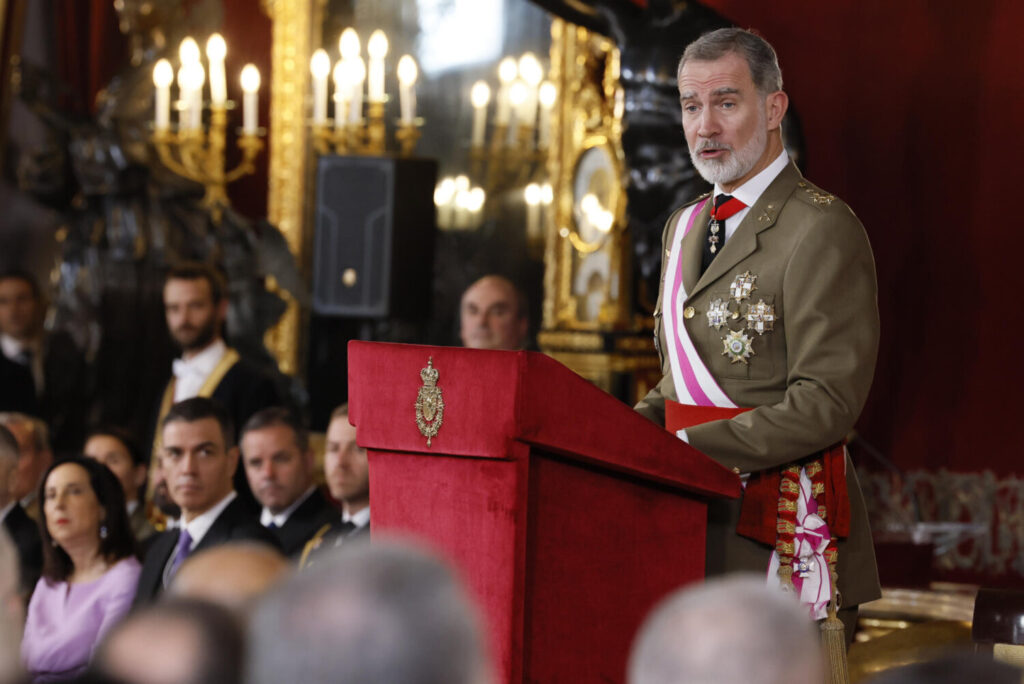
807, 263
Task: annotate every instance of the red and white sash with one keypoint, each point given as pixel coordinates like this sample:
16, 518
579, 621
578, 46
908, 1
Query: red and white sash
694, 383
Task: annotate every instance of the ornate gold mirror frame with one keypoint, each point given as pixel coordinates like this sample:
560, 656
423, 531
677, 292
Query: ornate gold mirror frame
289, 162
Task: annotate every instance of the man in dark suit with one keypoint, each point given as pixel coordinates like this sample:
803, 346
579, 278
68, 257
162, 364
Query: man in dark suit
23, 530
281, 469
347, 473
54, 364
199, 461
196, 307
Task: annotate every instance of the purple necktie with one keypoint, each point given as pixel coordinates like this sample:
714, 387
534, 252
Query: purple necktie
181, 552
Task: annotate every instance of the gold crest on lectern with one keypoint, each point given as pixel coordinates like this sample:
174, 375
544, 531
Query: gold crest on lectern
429, 404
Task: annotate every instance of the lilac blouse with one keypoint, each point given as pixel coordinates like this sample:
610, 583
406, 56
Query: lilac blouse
65, 621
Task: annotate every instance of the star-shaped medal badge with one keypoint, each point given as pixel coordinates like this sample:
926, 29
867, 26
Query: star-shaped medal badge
742, 285
738, 347
761, 317
718, 313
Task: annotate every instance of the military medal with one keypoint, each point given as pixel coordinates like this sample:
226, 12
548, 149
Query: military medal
760, 317
713, 235
742, 285
718, 313
738, 347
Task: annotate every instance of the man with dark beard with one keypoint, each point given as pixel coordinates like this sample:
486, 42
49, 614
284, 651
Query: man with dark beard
767, 325
196, 307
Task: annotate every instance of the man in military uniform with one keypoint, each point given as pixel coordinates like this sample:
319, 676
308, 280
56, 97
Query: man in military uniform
768, 301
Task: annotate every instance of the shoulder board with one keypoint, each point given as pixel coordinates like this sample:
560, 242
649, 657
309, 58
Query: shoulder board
816, 195
696, 199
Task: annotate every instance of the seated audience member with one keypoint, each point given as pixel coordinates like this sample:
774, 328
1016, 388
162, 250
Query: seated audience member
176, 641
493, 315
232, 575
733, 630
348, 478
365, 614
199, 460
12, 611
54, 363
24, 531
34, 457
281, 469
89, 569
952, 669
115, 448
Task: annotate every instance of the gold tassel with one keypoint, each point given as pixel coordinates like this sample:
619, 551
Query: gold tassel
833, 640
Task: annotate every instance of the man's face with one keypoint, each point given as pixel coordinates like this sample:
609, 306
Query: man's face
278, 471
490, 316
31, 461
345, 465
111, 452
724, 119
18, 306
197, 465
193, 318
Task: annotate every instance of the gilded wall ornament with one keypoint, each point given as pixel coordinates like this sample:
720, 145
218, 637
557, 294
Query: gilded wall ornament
429, 403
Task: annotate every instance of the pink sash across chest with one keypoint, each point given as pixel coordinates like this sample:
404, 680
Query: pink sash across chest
695, 385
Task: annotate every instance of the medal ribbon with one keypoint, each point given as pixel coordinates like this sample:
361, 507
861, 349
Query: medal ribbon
694, 383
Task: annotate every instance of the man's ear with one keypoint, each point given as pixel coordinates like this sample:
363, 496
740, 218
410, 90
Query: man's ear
233, 457
139, 475
776, 105
222, 311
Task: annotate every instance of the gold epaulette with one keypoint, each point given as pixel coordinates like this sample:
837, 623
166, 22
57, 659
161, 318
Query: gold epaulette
313, 544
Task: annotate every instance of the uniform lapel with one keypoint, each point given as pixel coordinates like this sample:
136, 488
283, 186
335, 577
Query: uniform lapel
743, 242
692, 249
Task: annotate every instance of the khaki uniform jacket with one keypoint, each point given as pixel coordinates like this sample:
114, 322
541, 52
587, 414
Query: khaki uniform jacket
807, 378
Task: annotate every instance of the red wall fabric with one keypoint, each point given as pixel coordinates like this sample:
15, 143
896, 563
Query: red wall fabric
912, 115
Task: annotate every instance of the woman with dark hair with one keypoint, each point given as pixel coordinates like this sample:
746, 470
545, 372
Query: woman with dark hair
115, 448
89, 569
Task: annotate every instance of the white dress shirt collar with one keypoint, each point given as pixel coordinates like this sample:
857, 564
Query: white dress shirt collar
198, 526
190, 374
5, 510
359, 519
266, 517
751, 191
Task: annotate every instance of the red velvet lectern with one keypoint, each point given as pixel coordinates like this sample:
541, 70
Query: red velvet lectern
567, 514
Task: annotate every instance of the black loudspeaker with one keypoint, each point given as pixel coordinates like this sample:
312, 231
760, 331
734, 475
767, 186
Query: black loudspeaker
374, 245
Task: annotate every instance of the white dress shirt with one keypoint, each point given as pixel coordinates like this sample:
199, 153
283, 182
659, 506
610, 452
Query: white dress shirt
266, 517
197, 528
13, 350
190, 374
751, 191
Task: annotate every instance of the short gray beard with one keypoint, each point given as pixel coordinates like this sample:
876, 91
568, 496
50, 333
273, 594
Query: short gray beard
738, 162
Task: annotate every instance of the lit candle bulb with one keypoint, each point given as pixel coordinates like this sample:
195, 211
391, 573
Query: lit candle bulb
444, 200
348, 44
547, 95
341, 94
480, 95
163, 76
533, 196
320, 68
516, 97
407, 73
197, 79
357, 75
377, 48
188, 51
507, 72
216, 51
477, 197
532, 74
184, 98
250, 99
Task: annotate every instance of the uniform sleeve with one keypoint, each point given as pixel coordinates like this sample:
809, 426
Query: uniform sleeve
830, 306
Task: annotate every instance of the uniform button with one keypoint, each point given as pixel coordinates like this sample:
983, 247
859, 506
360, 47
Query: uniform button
688, 312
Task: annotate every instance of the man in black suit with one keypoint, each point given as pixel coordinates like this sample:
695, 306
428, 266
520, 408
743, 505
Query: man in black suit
23, 530
281, 468
196, 307
347, 472
199, 461
54, 364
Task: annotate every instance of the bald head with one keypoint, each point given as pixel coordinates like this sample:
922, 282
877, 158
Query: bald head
231, 575
493, 315
733, 630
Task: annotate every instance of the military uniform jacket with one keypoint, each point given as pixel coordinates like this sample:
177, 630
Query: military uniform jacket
807, 378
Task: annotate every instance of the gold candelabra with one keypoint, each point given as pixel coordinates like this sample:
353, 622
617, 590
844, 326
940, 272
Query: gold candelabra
191, 151
199, 156
366, 137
